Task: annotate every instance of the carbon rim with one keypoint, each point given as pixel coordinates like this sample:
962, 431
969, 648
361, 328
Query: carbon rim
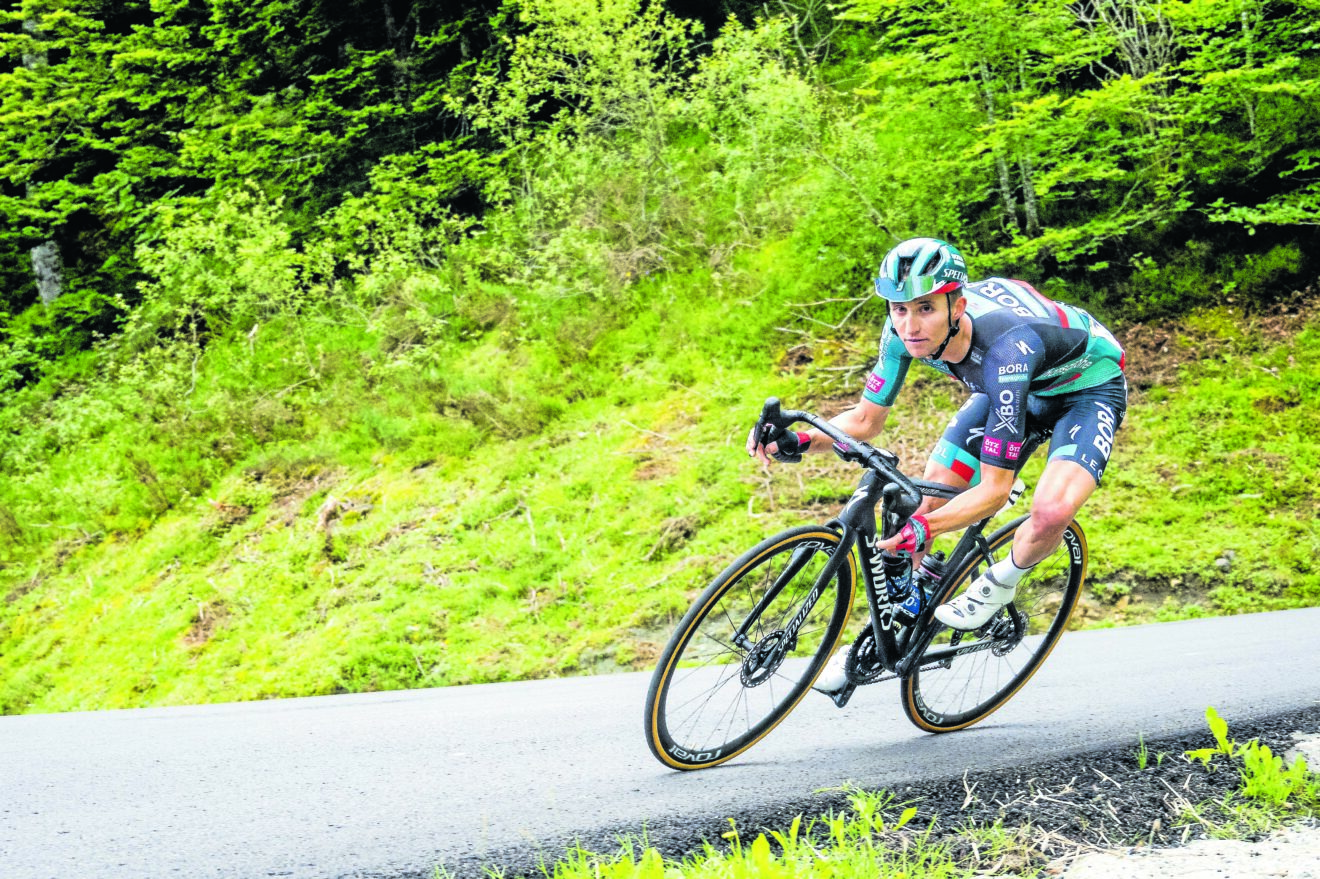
712, 698
974, 685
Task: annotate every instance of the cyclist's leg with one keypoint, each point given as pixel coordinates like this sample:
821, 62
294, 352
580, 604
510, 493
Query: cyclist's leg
1080, 447
1082, 432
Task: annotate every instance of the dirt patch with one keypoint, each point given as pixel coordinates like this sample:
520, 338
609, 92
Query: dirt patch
1290, 398
226, 515
649, 468
209, 617
1154, 354
796, 358
646, 655
1156, 350
674, 533
22, 589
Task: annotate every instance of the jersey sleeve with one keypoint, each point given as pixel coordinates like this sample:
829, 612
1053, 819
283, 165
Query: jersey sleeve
1010, 364
887, 376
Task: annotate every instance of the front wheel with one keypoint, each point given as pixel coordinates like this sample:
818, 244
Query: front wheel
750, 648
964, 677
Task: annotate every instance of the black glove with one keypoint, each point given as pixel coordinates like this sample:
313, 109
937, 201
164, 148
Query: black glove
790, 443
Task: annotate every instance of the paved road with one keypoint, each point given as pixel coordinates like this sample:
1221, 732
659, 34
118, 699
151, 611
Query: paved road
392, 784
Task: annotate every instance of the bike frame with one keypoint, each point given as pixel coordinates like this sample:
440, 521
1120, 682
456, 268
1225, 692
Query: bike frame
900, 649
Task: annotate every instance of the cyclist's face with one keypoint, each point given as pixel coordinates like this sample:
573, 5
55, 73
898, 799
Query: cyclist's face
923, 324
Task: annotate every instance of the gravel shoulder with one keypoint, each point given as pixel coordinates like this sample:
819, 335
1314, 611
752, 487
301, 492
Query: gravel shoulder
1088, 816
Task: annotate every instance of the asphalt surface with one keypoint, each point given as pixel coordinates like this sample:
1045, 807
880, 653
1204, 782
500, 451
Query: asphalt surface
396, 784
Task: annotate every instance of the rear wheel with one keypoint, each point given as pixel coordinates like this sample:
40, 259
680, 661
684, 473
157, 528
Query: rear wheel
749, 648
959, 691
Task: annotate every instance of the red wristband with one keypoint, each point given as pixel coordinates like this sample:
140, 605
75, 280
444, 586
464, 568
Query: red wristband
915, 535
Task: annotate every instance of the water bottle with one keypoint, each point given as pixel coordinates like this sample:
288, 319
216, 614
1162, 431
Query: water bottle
905, 595
930, 573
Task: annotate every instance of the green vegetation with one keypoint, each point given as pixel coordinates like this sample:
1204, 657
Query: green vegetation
414, 344
1267, 784
873, 838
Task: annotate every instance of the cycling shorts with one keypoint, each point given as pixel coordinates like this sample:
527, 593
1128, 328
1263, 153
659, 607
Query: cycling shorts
1081, 428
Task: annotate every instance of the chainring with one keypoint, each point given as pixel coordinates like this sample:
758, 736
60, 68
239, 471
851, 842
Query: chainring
863, 664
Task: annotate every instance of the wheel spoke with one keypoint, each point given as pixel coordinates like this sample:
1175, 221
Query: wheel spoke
711, 697
976, 683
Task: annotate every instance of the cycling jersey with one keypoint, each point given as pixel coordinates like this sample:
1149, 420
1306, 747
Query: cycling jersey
1023, 346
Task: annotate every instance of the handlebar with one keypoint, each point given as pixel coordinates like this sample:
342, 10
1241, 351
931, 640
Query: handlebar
882, 461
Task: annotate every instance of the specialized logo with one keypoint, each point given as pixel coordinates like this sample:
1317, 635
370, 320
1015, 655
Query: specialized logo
1025, 348
1006, 413
1104, 429
859, 495
992, 446
1072, 434
1013, 451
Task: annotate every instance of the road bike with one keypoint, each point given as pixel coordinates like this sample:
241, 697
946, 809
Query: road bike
751, 646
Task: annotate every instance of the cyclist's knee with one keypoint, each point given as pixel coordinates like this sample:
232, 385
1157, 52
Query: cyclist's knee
1052, 515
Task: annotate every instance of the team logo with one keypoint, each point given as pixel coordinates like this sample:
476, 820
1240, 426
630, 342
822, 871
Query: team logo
1006, 413
1104, 429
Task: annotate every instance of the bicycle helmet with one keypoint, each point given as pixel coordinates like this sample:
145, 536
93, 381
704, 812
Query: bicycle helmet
921, 266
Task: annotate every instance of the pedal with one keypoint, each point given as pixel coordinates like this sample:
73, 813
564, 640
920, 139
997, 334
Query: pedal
841, 697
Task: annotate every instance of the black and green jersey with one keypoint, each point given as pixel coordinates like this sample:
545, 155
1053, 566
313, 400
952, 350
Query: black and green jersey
1023, 345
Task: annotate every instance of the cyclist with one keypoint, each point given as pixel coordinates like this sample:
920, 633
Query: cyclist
1028, 361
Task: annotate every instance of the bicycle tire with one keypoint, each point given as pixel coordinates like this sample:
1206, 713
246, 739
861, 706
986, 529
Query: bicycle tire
706, 690
975, 685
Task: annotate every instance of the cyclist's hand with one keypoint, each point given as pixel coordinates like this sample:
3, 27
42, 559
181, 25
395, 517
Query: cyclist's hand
767, 441
913, 537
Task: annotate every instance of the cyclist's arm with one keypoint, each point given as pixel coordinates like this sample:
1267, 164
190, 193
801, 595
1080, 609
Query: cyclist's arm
985, 498
863, 421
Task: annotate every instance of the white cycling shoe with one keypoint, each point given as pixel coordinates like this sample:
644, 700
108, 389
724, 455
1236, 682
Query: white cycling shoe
834, 676
977, 606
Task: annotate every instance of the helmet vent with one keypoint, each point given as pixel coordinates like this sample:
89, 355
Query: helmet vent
904, 268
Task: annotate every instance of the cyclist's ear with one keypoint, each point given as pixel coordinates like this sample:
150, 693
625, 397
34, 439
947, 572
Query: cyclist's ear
959, 307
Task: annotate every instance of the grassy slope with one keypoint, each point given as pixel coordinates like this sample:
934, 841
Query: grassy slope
368, 539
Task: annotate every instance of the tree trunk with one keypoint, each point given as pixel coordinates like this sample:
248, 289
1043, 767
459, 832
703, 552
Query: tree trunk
1005, 184
47, 262
1029, 203
48, 266
1029, 196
